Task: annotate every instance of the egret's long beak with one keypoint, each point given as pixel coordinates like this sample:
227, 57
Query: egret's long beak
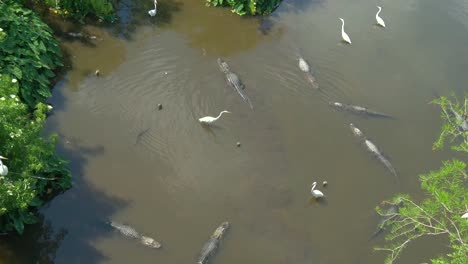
1, 157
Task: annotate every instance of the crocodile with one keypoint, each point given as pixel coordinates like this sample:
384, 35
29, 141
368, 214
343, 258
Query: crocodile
304, 66
130, 232
390, 213
360, 110
234, 81
461, 121
373, 149
210, 246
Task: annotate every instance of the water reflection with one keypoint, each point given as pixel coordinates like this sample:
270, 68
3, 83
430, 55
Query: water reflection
40, 240
87, 207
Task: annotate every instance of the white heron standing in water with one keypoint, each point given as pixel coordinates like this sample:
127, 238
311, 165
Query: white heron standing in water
208, 120
3, 168
152, 12
343, 34
316, 193
379, 19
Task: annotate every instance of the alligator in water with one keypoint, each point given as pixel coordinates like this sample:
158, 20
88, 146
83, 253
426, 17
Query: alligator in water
130, 232
304, 66
234, 81
358, 110
210, 246
373, 149
461, 121
391, 212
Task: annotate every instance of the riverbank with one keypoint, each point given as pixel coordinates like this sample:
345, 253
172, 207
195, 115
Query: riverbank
29, 55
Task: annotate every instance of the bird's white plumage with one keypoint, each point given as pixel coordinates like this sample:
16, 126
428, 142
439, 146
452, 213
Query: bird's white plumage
316, 193
153, 12
344, 36
209, 119
303, 65
3, 168
378, 18
465, 215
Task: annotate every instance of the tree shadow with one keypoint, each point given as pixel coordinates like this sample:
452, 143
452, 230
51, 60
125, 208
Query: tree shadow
70, 222
40, 240
132, 14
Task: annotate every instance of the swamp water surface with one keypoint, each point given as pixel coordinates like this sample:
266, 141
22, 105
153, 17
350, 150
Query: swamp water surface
176, 181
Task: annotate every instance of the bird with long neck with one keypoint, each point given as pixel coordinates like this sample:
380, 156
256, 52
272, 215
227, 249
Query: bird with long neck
208, 120
378, 18
152, 12
344, 36
3, 168
316, 193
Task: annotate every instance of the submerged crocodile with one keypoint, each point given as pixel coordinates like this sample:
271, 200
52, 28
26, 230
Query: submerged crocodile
373, 149
130, 232
358, 110
234, 81
210, 246
304, 66
391, 212
462, 122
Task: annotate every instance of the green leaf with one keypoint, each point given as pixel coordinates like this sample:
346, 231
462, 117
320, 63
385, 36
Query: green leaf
19, 225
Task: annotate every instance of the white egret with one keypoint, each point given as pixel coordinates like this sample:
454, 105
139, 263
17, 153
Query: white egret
316, 193
379, 19
152, 12
3, 168
208, 120
343, 34
465, 215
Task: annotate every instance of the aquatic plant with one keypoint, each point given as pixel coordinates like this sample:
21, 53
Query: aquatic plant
29, 53
440, 213
250, 7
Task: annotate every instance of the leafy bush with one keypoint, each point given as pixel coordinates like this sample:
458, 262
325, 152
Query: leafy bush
251, 7
79, 9
28, 52
35, 170
441, 212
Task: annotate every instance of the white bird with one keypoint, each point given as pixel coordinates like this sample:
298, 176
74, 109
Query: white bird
343, 34
303, 65
379, 19
209, 119
3, 168
152, 12
465, 215
316, 193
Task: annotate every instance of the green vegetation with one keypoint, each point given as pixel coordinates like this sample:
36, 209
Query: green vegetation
251, 7
441, 212
28, 54
102, 9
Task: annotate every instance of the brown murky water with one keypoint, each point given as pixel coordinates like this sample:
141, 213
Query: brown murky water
176, 181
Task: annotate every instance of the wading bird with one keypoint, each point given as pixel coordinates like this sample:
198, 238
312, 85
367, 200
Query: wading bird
316, 193
3, 168
379, 19
343, 34
152, 12
208, 120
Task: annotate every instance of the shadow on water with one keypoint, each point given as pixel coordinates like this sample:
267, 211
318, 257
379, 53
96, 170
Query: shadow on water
41, 240
83, 209
132, 14
74, 218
